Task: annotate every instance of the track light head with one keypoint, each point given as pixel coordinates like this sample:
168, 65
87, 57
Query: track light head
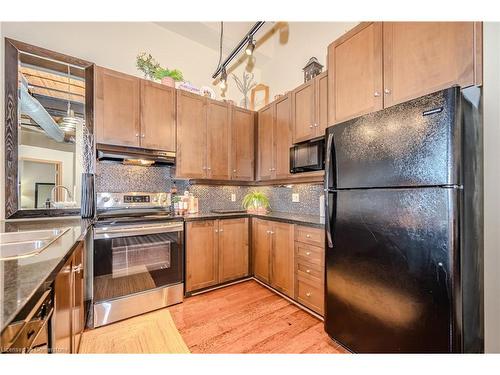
250, 47
223, 79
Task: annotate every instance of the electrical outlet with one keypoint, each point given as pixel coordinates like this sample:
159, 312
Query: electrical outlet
295, 197
233, 197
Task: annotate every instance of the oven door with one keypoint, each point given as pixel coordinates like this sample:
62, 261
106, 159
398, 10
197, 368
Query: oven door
307, 156
138, 258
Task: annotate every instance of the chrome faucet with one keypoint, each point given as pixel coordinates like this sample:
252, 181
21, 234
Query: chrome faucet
52, 198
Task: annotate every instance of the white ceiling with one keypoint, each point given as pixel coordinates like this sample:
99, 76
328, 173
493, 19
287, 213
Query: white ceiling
208, 34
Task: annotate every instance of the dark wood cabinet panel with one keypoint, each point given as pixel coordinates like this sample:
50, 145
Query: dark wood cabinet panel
191, 135
282, 137
218, 137
201, 254
157, 116
116, 108
233, 249
282, 258
261, 248
265, 143
321, 103
303, 112
242, 144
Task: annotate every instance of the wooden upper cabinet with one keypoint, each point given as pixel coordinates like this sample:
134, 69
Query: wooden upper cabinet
116, 108
282, 258
157, 116
423, 57
321, 103
233, 249
282, 138
202, 258
191, 135
355, 73
218, 137
261, 247
265, 143
242, 144
303, 113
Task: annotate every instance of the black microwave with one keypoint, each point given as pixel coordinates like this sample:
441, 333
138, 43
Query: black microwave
307, 156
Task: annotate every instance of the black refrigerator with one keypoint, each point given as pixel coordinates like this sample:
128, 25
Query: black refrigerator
404, 227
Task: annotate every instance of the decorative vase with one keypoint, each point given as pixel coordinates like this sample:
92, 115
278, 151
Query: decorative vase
256, 207
168, 81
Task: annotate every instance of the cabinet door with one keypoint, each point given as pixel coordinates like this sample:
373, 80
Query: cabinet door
242, 144
282, 264
265, 143
303, 113
191, 135
201, 254
423, 57
116, 108
157, 116
78, 317
63, 304
217, 140
321, 103
355, 73
233, 249
282, 138
261, 246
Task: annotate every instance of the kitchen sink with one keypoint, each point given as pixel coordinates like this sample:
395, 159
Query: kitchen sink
16, 245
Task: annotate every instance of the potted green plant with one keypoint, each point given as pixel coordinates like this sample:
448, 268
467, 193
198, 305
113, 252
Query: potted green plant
256, 201
147, 64
167, 76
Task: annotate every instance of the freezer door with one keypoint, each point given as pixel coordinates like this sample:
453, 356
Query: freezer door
390, 273
411, 144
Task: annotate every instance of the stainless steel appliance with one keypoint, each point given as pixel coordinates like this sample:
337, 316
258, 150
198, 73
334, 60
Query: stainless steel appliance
31, 330
307, 156
134, 155
138, 256
403, 227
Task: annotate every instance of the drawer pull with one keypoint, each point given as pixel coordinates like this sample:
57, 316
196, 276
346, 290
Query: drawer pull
308, 236
308, 253
308, 294
308, 271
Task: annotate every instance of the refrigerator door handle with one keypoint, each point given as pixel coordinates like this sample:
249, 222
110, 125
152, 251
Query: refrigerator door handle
328, 161
327, 221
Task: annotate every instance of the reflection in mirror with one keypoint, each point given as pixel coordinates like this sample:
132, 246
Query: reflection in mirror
51, 125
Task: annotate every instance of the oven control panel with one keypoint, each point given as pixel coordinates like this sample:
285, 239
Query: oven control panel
128, 200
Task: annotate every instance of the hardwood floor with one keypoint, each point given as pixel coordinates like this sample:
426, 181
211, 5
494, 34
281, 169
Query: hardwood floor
249, 318
153, 332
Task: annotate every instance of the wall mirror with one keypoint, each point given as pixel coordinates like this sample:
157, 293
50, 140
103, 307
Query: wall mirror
48, 141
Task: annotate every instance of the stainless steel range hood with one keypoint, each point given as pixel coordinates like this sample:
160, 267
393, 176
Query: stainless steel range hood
134, 156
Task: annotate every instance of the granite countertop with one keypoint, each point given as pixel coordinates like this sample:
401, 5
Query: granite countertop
21, 279
309, 220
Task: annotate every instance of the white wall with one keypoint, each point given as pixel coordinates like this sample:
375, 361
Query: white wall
115, 45
491, 186
305, 39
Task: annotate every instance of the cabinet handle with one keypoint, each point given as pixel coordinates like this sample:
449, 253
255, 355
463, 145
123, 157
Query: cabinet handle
137, 134
315, 125
209, 168
310, 126
271, 232
221, 230
308, 236
204, 168
387, 91
308, 294
308, 271
142, 135
77, 269
308, 253
216, 231
376, 94
234, 170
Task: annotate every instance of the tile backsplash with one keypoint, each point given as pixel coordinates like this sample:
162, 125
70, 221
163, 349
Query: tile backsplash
119, 178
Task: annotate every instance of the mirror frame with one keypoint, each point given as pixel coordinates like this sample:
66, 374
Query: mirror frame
12, 50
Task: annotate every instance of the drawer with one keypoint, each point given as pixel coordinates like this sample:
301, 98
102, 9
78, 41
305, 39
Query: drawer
310, 271
310, 294
313, 236
309, 253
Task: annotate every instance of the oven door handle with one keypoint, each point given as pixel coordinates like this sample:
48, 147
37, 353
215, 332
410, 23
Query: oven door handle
115, 232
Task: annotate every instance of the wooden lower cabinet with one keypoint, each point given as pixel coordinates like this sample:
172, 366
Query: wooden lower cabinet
273, 254
233, 249
201, 255
216, 252
69, 315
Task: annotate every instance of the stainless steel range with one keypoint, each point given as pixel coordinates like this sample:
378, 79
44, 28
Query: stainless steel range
138, 257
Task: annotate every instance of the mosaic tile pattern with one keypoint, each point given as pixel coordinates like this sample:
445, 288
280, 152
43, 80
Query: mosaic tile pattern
280, 197
118, 178
115, 177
